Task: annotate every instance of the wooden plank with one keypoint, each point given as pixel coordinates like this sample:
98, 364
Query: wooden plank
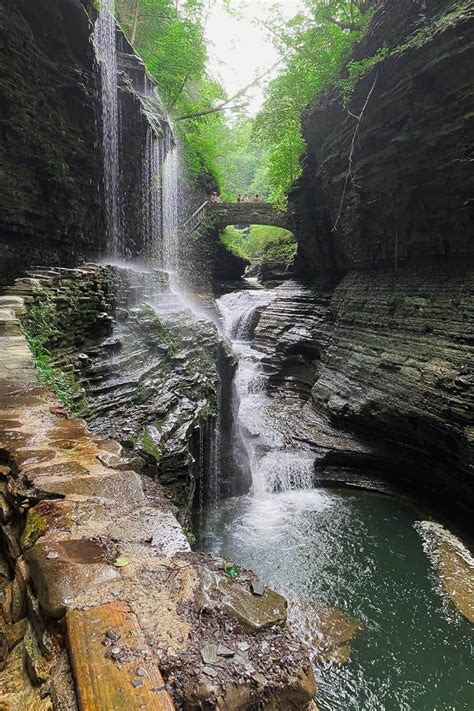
111, 662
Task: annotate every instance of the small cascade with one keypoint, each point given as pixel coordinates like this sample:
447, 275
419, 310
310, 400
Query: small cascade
106, 52
259, 422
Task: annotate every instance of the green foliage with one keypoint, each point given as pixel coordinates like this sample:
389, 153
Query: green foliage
149, 445
314, 46
39, 328
357, 69
232, 571
241, 162
272, 245
170, 38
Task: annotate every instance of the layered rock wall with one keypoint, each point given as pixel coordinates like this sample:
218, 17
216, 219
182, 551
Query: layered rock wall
50, 176
408, 192
133, 361
386, 351
385, 359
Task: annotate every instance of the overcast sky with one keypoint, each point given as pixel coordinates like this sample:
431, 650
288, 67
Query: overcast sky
238, 49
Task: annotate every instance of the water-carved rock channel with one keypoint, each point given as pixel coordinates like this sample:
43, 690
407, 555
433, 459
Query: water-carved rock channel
363, 571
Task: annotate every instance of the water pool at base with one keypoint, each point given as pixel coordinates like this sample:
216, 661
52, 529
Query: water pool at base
366, 555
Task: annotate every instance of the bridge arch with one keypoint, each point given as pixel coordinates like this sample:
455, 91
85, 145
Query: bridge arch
223, 214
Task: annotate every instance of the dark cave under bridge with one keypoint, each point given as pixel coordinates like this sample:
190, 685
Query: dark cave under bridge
218, 215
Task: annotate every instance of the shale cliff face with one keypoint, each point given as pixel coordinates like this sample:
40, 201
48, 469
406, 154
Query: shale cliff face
386, 350
409, 191
50, 175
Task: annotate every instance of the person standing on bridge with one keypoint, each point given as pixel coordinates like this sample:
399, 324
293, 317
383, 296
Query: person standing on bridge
239, 198
256, 198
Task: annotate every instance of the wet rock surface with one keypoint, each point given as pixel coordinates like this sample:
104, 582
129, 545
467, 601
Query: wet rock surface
144, 365
378, 368
454, 564
50, 182
409, 197
323, 629
80, 535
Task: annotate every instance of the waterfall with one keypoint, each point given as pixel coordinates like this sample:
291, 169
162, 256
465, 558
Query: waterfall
152, 197
106, 52
259, 430
170, 208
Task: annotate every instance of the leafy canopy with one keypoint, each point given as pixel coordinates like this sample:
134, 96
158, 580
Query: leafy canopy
260, 155
313, 45
169, 36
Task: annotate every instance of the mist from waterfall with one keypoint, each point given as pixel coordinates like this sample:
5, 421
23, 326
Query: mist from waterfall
106, 52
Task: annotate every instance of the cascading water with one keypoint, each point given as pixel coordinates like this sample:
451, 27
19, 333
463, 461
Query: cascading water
258, 421
152, 197
354, 551
170, 208
106, 52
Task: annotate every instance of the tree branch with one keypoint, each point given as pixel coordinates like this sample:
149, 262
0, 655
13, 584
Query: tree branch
183, 84
135, 22
222, 107
352, 26
240, 93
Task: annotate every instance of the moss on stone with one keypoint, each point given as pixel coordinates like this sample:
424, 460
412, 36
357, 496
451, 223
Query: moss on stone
149, 446
34, 529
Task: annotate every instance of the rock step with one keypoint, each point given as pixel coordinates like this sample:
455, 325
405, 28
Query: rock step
111, 661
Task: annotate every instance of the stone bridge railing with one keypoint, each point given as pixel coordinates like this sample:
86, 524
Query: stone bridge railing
222, 214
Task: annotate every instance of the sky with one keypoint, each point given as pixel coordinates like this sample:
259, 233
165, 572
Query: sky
240, 49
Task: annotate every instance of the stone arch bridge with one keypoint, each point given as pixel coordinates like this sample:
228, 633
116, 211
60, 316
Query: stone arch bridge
217, 215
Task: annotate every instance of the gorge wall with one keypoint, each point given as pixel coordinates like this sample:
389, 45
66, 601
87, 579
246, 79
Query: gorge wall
390, 247
409, 194
51, 172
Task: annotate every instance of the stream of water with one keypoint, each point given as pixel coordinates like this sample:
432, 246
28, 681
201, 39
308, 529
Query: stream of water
359, 552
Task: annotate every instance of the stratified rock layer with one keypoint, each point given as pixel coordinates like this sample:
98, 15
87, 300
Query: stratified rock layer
51, 171
382, 359
407, 191
384, 226
145, 367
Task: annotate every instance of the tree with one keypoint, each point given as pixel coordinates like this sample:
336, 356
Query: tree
315, 44
169, 36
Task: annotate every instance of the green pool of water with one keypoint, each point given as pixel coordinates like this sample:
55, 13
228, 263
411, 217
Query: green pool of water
364, 554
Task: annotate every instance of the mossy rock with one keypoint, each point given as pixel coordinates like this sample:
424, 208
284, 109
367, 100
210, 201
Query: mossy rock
34, 529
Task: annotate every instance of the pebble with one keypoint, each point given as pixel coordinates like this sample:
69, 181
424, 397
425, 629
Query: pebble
141, 671
115, 650
209, 653
52, 556
224, 651
209, 671
257, 587
243, 646
137, 682
112, 634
